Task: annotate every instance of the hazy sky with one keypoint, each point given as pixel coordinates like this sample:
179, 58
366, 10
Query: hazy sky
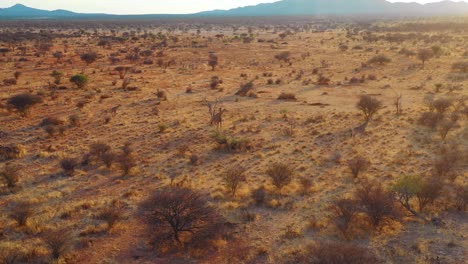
145, 6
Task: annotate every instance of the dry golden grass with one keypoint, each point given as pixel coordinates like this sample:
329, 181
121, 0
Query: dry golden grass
174, 144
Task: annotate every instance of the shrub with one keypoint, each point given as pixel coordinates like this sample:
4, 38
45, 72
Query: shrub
74, 120
17, 74
122, 70
445, 126
345, 211
108, 158
245, 89
230, 143
377, 203
98, 149
212, 61
460, 66
10, 175
441, 105
127, 163
358, 165
281, 174
24, 102
336, 253
68, 165
9, 82
57, 75
447, 160
259, 195
406, 188
233, 177
461, 198
21, 212
287, 96
283, 56
430, 190
79, 80
429, 119
89, 57
425, 55
322, 80
60, 242
182, 215
110, 215
12, 152
369, 106
379, 59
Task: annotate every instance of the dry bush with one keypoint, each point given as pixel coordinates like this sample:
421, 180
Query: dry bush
245, 89
369, 106
59, 242
259, 195
182, 216
287, 96
161, 95
98, 149
379, 59
108, 158
461, 198
377, 203
283, 56
336, 253
461, 66
358, 165
12, 152
445, 125
122, 70
230, 143
281, 174
345, 211
21, 212
431, 189
429, 119
74, 120
233, 178
447, 160
322, 80
111, 215
69, 165
425, 55
212, 61
10, 174
441, 105
24, 102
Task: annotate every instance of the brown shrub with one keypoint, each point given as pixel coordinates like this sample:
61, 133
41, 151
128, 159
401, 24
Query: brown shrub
233, 178
345, 211
68, 165
21, 212
182, 216
59, 242
24, 102
287, 96
281, 174
358, 165
336, 253
377, 203
10, 174
461, 198
369, 106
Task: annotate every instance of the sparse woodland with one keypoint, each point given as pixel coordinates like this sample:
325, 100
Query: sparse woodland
210, 141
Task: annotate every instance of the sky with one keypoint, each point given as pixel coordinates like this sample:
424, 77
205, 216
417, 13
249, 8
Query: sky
145, 6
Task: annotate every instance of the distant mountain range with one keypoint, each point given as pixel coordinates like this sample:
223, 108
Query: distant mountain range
280, 8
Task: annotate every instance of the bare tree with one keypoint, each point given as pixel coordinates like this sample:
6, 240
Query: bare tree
425, 55
182, 215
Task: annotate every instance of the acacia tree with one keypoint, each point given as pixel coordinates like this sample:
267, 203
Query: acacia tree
212, 61
425, 55
182, 215
88, 58
377, 203
369, 106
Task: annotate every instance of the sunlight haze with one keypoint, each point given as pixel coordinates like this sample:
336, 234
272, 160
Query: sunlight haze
144, 6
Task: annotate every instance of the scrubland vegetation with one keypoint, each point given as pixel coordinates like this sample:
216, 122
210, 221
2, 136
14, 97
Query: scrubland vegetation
257, 141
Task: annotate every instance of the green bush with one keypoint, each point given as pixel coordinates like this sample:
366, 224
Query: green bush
79, 80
